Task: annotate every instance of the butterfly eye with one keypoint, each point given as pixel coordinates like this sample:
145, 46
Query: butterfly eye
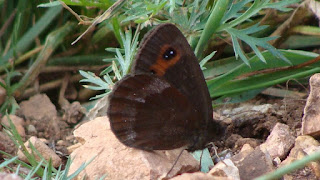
169, 54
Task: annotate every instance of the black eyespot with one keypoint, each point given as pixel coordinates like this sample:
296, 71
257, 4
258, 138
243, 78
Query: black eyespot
152, 71
169, 54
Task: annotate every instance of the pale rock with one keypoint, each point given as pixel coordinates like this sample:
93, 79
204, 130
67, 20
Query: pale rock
41, 107
304, 145
247, 110
117, 161
73, 147
17, 121
44, 140
252, 164
8, 176
6, 144
43, 149
225, 169
73, 112
287, 177
40, 111
311, 118
279, 142
198, 176
287, 161
31, 130
276, 161
246, 148
251, 141
62, 143
70, 138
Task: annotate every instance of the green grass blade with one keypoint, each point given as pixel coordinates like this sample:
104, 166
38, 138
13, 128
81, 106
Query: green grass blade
28, 38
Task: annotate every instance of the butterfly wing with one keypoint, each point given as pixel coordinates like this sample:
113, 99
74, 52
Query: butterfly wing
166, 53
146, 112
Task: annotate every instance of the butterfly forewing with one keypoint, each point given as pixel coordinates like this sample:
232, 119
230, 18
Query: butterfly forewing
181, 69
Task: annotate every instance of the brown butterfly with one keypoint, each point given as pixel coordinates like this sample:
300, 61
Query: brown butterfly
164, 103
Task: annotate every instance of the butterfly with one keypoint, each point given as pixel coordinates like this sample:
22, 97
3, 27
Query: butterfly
164, 102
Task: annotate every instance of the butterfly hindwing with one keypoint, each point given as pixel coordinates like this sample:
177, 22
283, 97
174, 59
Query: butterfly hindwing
146, 112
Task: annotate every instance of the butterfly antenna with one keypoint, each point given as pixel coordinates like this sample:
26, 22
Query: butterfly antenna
175, 162
216, 154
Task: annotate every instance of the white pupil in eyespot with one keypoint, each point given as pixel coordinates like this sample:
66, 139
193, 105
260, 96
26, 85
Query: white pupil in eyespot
169, 54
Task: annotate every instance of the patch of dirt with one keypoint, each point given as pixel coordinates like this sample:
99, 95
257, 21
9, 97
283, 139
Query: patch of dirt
44, 121
254, 127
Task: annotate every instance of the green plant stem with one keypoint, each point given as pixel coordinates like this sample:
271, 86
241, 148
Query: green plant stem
211, 26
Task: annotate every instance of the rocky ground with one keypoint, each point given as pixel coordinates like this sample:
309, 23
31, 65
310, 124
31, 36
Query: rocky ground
263, 135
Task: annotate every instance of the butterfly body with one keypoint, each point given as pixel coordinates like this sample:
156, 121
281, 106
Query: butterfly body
164, 103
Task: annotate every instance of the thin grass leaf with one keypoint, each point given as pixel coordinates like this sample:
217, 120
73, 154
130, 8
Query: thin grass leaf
253, 42
16, 138
172, 5
280, 5
257, 52
100, 95
219, 85
234, 9
18, 169
116, 70
108, 79
257, 6
34, 170
206, 59
45, 173
17, 161
238, 51
92, 78
114, 50
50, 4
253, 29
50, 167
103, 177
63, 174
59, 172
38, 154
106, 71
116, 30
120, 59
7, 162
73, 175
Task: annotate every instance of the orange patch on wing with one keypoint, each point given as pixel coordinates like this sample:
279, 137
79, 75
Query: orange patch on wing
161, 65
